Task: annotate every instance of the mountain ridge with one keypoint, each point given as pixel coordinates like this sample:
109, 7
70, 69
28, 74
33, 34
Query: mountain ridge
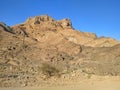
64, 27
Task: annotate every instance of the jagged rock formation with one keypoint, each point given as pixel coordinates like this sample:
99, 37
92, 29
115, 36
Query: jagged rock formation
26, 48
46, 29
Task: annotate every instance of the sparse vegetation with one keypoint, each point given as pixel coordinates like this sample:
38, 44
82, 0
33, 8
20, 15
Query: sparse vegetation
49, 70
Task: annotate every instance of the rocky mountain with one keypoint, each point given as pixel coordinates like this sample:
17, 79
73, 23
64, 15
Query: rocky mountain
43, 49
46, 29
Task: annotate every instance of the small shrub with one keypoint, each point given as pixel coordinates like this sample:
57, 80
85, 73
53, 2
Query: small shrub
49, 70
89, 76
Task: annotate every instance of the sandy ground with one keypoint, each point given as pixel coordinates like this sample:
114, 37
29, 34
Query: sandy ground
106, 83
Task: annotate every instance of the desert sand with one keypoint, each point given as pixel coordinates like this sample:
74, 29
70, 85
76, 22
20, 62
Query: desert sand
95, 83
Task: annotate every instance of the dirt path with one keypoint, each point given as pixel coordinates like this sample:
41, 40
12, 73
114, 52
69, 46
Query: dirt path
90, 84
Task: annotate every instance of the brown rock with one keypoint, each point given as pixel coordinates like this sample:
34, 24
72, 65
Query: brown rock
41, 39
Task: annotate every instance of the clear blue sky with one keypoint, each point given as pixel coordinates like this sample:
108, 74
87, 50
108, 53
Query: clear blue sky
98, 16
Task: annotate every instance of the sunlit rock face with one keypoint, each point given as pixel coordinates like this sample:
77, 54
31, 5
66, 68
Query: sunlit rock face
42, 41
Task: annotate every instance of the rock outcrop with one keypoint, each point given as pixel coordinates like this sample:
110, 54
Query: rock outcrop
4, 27
46, 29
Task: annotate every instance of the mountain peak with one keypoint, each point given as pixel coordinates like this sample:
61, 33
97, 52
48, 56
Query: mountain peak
38, 19
45, 20
48, 30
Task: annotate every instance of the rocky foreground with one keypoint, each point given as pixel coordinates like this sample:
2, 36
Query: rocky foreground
43, 51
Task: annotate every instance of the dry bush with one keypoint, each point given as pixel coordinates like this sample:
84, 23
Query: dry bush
49, 70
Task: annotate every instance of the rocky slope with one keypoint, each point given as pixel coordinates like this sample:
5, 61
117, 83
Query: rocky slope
43, 49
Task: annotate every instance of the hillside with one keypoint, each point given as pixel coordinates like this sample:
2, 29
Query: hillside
42, 50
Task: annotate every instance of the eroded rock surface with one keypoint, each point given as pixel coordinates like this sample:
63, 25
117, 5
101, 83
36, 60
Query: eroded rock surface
43, 49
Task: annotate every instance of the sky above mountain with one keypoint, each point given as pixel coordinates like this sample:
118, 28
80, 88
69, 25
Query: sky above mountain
97, 16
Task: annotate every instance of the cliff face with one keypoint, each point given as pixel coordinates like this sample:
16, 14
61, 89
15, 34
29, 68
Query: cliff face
26, 47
